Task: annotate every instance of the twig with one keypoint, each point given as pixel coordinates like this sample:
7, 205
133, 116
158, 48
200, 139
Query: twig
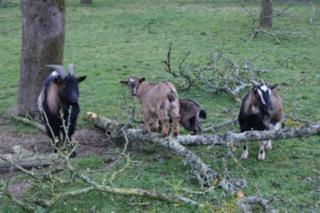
167, 62
245, 203
30, 122
220, 74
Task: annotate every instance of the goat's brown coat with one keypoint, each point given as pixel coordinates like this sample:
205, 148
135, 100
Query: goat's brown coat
156, 105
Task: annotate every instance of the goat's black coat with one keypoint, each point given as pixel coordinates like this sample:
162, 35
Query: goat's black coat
251, 121
68, 107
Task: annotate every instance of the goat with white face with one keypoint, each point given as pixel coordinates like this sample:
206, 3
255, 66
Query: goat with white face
158, 101
261, 109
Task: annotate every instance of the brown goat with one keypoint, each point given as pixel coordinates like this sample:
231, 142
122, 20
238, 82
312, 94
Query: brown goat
158, 101
190, 115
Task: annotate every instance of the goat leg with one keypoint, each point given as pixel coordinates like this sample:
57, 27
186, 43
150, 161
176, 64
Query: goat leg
245, 152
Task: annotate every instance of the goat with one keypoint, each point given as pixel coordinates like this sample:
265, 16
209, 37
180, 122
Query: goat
261, 109
58, 104
190, 115
158, 101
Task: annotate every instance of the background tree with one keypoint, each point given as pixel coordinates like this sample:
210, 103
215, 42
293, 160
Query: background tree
266, 14
42, 43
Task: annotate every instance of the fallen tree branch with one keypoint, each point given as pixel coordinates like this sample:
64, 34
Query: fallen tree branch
203, 173
30, 122
231, 137
221, 74
286, 35
245, 204
94, 186
172, 198
25, 159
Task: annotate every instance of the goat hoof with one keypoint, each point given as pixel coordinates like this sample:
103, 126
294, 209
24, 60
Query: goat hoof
269, 145
261, 156
175, 134
244, 156
145, 131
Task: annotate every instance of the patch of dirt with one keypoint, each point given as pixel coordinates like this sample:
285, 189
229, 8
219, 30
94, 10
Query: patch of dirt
91, 141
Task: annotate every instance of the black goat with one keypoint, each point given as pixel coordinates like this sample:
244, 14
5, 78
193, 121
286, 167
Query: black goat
261, 109
190, 115
58, 104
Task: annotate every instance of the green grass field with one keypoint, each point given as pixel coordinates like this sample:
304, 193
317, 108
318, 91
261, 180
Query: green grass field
114, 39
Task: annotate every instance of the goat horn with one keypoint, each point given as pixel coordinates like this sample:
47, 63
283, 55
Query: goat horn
71, 69
58, 68
254, 83
262, 81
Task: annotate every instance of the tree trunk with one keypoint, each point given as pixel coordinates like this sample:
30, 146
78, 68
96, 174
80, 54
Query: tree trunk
86, 1
42, 43
266, 14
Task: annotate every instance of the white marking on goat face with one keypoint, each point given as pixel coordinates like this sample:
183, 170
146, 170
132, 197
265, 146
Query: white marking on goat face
54, 74
131, 80
264, 88
261, 97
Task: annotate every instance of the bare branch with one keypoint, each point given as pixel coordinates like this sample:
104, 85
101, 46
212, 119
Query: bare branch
245, 204
30, 122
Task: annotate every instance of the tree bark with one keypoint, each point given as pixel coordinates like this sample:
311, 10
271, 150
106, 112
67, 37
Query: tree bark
42, 43
266, 14
86, 1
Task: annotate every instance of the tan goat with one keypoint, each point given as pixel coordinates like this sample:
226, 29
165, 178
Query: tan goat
158, 101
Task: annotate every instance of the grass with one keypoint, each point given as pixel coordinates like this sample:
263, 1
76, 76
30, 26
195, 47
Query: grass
111, 40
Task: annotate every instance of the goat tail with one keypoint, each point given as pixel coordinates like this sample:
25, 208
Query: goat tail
172, 96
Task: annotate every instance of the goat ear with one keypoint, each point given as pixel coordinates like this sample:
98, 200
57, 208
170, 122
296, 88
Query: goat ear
81, 78
272, 87
124, 82
141, 80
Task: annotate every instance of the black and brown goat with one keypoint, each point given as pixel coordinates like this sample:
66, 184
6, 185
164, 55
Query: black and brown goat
261, 109
190, 115
58, 104
158, 101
